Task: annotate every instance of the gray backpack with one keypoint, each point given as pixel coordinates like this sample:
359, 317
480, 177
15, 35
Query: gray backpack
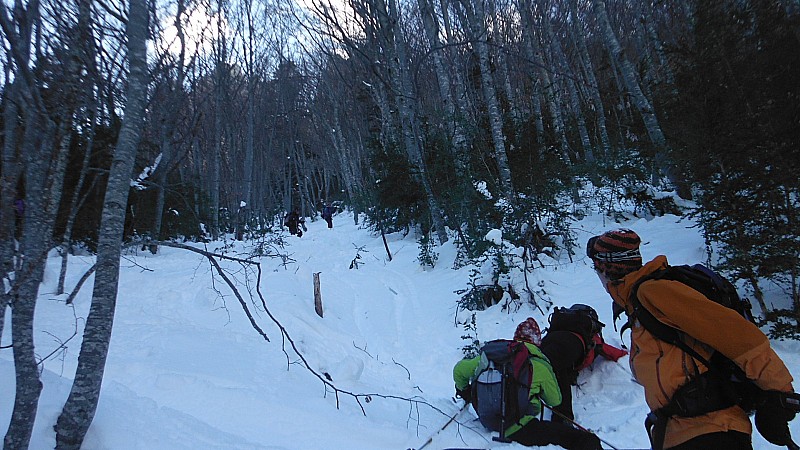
501, 390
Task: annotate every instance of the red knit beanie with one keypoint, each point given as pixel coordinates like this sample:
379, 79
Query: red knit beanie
615, 252
528, 331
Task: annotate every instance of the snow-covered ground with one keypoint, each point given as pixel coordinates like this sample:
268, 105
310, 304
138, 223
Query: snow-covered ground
186, 369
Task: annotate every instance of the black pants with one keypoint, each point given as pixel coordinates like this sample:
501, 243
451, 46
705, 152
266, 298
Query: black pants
330, 221
539, 433
563, 412
729, 440
565, 351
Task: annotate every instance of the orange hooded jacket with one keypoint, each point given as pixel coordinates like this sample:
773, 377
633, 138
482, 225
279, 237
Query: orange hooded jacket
662, 368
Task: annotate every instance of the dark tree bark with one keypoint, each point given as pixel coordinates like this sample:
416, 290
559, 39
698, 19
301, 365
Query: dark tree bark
81, 405
43, 167
9, 177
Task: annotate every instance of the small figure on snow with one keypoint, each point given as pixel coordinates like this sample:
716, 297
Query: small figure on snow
293, 221
327, 214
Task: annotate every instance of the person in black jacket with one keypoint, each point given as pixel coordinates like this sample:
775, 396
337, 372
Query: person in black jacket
327, 214
569, 354
293, 222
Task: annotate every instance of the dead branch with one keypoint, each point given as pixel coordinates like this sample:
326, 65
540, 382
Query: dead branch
78, 286
212, 258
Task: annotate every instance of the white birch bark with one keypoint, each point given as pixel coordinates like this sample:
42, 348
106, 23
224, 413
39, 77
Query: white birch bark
499, 57
540, 67
431, 26
574, 100
660, 68
473, 19
634, 89
591, 80
399, 78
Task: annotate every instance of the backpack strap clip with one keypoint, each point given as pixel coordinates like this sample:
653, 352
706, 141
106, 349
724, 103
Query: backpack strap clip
656, 425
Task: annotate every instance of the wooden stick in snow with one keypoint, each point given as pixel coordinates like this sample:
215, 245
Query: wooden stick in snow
317, 295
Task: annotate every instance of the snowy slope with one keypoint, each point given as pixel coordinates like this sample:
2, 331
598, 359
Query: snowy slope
186, 370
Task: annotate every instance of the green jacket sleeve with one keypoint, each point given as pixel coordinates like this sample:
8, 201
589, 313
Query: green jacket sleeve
544, 380
464, 370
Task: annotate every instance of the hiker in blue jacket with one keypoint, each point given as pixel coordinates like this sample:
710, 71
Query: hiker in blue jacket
529, 430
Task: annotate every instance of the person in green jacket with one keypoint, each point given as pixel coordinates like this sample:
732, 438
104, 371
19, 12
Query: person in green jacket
529, 430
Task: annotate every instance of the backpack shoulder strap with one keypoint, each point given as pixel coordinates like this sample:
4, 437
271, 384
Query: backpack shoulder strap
657, 328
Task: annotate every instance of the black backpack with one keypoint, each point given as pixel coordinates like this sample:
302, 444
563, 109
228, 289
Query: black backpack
500, 392
578, 318
724, 375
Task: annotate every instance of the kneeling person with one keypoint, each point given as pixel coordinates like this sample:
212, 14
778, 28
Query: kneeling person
479, 380
573, 340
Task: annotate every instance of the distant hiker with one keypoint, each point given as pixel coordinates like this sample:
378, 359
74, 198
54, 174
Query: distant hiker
293, 222
327, 214
507, 384
694, 401
572, 343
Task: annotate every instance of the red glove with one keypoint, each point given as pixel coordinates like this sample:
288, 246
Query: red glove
608, 352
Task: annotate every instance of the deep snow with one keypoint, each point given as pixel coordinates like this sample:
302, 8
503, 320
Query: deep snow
186, 370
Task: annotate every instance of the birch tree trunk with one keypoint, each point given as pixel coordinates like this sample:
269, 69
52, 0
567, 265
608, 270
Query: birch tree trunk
431, 26
641, 103
219, 79
33, 249
588, 73
75, 204
498, 56
574, 100
340, 153
159, 184
28, 276
536, 54
13, 166
661, 70
168, 124
79, 410
389, 20
473, 20
46, 149
536, 109
454, 104
459, 89
411, 131
554, 98
249, 146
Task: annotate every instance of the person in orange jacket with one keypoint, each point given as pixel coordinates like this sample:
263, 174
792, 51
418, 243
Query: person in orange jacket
662, 368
